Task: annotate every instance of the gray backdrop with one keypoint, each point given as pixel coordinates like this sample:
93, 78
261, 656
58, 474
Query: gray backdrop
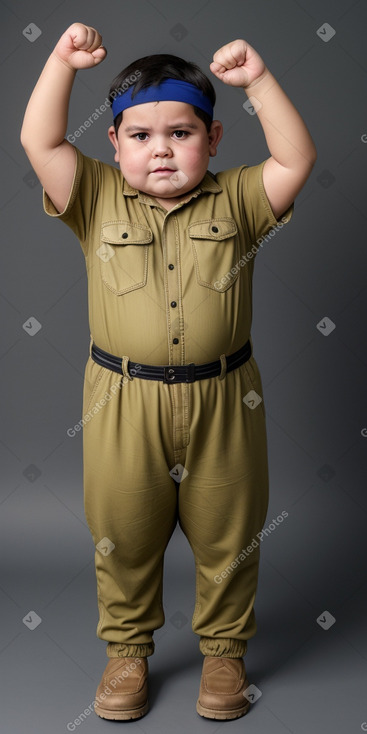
308, 659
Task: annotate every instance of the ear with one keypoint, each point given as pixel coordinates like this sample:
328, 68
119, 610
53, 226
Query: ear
215, 135
114, 140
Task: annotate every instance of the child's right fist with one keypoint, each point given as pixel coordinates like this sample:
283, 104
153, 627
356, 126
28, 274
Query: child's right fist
80, 47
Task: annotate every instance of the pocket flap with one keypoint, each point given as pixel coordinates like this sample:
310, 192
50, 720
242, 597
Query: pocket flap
126, 233
213, 229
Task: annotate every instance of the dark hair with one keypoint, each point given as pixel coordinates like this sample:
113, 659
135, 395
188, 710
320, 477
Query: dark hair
152, 70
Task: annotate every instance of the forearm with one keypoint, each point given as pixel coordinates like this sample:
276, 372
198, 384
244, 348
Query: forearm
46, 117
287, 137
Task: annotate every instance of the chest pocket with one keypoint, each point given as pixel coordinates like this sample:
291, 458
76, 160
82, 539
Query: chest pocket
123, 254
216, 251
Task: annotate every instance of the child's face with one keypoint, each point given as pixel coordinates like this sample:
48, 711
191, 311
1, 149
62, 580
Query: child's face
164, 135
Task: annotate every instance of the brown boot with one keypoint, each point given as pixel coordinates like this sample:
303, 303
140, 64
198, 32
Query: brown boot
222, 684
123, 691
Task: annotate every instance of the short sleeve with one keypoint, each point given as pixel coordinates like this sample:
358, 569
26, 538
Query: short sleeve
80, 209
255, 204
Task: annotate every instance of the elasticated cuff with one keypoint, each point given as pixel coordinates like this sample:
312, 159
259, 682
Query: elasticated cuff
223, 647
124, 650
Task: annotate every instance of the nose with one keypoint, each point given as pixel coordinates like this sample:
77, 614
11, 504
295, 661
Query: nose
160, 147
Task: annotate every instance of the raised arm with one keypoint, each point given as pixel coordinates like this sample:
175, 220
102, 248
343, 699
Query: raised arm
45, 121
292, 151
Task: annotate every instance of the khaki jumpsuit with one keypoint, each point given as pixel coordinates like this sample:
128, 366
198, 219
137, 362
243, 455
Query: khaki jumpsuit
172, 287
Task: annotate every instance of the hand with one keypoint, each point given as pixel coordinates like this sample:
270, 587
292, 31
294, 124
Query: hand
237, 64
80, 47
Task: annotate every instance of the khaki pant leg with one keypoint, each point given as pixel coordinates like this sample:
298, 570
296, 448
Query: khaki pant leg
130, 503
222, 506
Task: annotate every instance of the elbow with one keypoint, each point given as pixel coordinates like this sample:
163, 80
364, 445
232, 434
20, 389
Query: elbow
23, 138
26, 136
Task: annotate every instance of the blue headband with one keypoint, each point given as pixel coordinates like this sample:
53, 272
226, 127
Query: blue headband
169, 89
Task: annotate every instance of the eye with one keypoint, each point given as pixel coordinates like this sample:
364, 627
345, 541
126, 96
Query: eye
138, 138
180, 133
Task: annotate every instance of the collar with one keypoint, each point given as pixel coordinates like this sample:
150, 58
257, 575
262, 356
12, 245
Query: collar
207, 184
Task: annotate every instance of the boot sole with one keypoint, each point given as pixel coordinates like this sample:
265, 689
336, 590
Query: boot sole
122, 715
222, 715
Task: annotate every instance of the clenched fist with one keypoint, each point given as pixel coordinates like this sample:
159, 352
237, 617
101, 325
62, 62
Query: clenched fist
80, 47
237, 64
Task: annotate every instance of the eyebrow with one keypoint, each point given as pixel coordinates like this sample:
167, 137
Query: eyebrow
177, 126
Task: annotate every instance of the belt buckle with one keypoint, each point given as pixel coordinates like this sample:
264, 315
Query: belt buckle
170, 374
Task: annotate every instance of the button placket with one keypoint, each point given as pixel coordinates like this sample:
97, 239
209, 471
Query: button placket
173, 284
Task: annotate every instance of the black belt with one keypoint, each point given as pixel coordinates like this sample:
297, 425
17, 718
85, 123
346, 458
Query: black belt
172, 372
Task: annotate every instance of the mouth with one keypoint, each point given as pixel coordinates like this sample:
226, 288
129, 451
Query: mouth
163, 170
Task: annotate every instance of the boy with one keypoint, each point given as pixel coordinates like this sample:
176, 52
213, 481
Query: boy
174, 421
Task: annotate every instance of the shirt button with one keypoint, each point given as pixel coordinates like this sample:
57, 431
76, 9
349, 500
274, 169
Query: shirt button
175, 340
171, 266
124, 235
215, 229
173, 304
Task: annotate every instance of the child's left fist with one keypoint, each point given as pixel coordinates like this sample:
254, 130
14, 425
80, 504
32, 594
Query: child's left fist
237, 64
